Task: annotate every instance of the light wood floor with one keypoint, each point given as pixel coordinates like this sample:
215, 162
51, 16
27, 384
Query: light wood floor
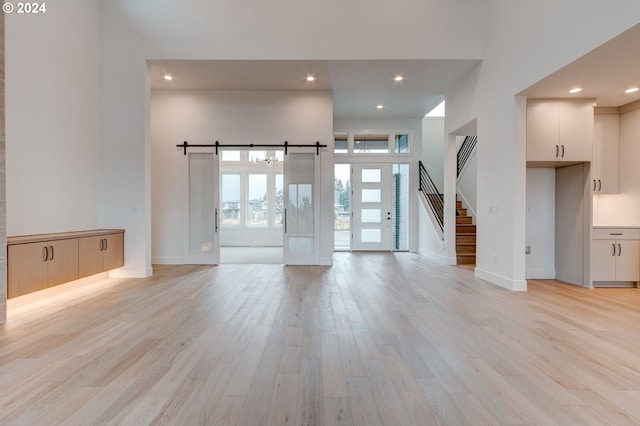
378, 339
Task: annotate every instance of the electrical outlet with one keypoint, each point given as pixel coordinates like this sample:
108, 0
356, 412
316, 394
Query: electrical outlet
527, 249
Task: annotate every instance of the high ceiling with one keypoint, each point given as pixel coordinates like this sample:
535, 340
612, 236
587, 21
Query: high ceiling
358, 86
604, 73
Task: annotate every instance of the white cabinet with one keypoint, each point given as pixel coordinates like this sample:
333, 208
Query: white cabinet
559, 131
606, 153
615, 255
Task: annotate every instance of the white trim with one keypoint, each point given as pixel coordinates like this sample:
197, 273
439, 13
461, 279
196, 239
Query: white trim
541, 274
434, 221
174, 260
499, 280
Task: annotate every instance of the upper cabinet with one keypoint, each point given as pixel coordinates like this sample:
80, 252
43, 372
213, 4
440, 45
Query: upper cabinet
606, 151
559, 132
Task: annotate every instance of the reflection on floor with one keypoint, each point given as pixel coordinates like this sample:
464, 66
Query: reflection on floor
251, 255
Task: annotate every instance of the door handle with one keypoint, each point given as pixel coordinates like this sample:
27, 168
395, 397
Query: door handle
216, 220
285, 221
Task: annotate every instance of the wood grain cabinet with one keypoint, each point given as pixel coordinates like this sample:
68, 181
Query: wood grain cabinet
559, 132
606, 152
101, 253
615, 256
36, 262
35, 266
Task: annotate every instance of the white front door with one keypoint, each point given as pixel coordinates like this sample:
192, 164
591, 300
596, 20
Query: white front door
201, 208
371, 207
302, 203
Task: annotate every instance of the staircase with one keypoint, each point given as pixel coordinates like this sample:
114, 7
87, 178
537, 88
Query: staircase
465, 237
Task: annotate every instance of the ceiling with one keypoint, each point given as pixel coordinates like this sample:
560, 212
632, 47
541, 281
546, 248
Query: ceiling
358, 86
604, 73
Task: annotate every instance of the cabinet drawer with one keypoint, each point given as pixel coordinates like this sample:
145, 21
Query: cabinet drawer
616, 233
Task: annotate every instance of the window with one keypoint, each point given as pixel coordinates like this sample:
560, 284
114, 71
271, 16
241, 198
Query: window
230, 199
402, 144
278, 205
257, 214
230, 155
341, 145
371, 144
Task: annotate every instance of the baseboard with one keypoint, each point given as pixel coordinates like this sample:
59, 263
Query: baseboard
541, 274
131, 273
499, 280
326, 261
428, 253
160, 260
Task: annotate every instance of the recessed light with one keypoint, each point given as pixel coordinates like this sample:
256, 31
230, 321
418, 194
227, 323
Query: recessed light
632, 90
168, 77
379, 106
310, 78
576, 90
398, 78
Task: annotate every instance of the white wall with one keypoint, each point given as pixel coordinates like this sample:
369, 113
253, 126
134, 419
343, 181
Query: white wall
52, 118
541, 235
232, 117
489, 94
623, 209
133, 31
433, 143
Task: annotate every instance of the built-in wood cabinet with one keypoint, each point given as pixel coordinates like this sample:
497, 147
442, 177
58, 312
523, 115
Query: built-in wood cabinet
606, 151
615, 256
100, 253
559, 132
36, 262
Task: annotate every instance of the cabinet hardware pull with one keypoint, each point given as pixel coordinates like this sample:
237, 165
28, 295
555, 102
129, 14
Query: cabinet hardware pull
619, 249
616, 233
45, 254
614, 249
51, 247
562, 151
599, 185
106, 244
101, 244
557, 151
594, 185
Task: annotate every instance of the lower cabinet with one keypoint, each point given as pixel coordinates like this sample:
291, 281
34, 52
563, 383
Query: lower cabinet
615, 256
35, 262
101, 253
35, 266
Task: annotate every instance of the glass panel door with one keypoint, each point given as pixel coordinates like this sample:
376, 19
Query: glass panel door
301, 201
201, 245
372, 207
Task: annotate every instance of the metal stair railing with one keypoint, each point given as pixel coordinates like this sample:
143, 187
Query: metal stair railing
434, 198
464, 153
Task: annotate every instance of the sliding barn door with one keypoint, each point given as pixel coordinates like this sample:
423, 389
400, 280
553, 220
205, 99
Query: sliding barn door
201, 214
302, 202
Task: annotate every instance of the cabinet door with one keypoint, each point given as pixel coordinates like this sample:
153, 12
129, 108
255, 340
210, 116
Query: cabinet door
603, 260
27, 269
114, 251
628, 260
90, 257
606, 154
542, 131
63, 261
576, 130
